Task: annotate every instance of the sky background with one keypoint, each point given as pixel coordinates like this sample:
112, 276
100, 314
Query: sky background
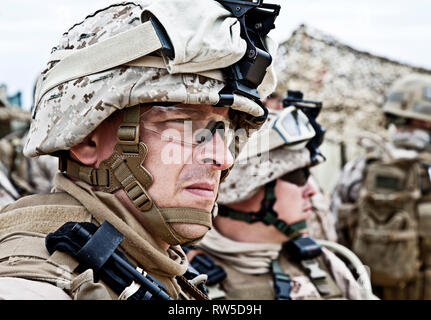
396, 29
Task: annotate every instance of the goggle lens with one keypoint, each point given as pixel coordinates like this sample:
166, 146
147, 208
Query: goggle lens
298, 176
188, 125
294, 126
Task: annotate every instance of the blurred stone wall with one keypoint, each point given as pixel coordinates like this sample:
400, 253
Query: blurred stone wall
352, 85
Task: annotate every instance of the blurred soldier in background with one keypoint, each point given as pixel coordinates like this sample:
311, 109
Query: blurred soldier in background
259, 248
20, 176
383, 200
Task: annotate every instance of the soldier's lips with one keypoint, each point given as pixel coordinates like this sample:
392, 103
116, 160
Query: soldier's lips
308, 209
202, 189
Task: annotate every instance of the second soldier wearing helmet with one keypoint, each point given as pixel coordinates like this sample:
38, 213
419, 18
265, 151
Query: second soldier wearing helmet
141, 110
259, 237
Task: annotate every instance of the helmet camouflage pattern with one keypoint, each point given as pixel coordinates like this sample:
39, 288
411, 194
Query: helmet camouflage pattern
410, 97
259, 164
141, 53
65, 113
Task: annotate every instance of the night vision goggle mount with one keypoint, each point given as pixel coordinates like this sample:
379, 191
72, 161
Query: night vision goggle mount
243, 77
311, 109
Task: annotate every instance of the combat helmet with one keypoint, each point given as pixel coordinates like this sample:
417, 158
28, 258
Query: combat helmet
284, 148
162, 53
409, 98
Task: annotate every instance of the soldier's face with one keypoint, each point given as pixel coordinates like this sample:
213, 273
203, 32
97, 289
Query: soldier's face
293, 203
419, 124
185, 175
273, 103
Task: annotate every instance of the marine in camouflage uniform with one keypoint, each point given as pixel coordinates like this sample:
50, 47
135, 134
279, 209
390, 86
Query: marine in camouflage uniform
263, 205
382, 198
321, 223
131, 103
20, 176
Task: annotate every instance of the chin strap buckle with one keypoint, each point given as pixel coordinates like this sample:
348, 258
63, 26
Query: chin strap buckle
128, 133
138, 195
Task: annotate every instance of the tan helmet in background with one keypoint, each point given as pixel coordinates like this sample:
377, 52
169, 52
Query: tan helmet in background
410, 97
283, 149
266, 157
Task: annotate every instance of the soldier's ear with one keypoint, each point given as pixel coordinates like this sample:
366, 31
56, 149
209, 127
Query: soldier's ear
99, 144
86, 151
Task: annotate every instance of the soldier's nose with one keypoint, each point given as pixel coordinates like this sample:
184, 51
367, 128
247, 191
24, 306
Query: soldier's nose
215, 153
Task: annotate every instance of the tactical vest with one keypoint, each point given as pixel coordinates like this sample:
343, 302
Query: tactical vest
392, 232
23, 253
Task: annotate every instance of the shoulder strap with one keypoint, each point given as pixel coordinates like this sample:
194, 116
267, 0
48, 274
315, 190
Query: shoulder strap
18, 245
322, 280
306, 252
282, 282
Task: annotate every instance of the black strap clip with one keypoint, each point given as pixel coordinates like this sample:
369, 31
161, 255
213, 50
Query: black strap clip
204, 264
303, 248
282, 282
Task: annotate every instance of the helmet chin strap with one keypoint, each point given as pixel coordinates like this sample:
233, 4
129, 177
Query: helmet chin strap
124, 170
266, 214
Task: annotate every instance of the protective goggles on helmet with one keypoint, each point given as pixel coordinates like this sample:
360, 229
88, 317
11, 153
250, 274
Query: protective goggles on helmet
312, 110
298, 177
294, 127
188, 125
